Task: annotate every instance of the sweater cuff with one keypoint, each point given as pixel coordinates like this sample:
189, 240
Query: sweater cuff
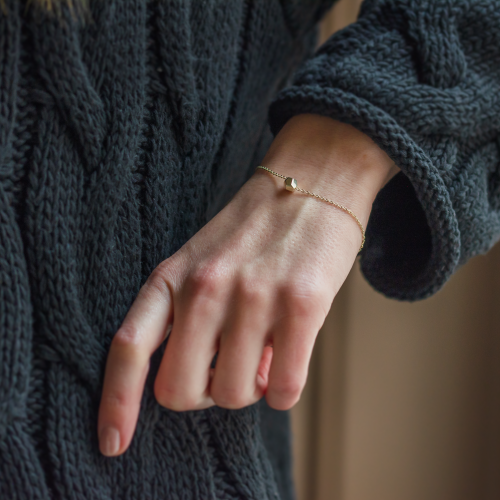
412, 238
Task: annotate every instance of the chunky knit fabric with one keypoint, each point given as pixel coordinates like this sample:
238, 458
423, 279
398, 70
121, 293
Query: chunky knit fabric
422, 79
123, 130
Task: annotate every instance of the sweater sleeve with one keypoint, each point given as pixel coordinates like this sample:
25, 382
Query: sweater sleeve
422, 79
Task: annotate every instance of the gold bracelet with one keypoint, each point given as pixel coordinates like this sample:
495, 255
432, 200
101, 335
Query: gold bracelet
291, 185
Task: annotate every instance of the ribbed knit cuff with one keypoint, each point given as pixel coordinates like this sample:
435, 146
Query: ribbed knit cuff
412, 241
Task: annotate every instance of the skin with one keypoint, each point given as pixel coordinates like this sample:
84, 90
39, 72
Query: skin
255, 284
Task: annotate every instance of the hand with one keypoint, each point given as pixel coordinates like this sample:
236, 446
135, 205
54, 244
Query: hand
263, 272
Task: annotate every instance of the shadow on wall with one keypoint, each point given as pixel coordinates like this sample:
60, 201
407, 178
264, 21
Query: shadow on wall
403, 400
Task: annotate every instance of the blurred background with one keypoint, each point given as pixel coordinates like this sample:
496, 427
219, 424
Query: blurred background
403, 399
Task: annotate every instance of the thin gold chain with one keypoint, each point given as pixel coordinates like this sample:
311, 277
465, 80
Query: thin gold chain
345, 209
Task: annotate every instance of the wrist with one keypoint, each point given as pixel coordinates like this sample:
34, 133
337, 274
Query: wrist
332, 159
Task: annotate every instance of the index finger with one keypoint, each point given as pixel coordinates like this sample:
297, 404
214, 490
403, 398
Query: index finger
144, 328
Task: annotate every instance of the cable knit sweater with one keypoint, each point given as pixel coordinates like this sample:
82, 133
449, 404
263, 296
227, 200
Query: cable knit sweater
125, 127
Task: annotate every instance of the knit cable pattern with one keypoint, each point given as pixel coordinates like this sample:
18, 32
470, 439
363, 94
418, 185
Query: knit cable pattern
121, 133
422, 79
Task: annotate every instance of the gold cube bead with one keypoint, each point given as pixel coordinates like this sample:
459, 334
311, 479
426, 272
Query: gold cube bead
290, 184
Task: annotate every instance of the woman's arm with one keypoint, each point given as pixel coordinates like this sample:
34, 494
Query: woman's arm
263, 271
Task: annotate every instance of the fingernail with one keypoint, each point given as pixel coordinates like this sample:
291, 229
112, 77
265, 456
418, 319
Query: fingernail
109, 441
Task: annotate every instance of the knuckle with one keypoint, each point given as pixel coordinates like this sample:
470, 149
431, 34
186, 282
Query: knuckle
288, 389
301, 290
116, 400
174, 398
230, 398
127, 337
280, 404
206, 279
304, 299
157, 281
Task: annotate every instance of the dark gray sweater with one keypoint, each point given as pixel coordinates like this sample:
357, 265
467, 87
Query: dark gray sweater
125, 128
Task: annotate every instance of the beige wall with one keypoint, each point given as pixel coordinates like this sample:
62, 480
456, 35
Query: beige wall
403, 400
